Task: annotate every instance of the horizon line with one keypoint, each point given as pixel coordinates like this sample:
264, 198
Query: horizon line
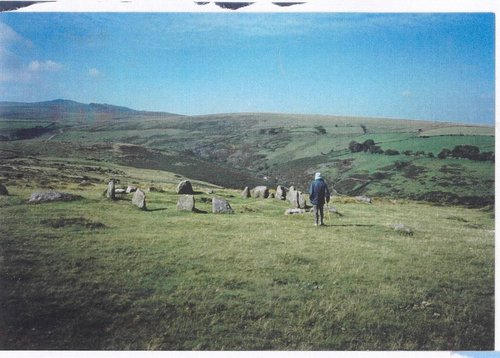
258, 112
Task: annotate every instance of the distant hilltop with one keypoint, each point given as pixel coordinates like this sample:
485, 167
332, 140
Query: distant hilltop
67, 109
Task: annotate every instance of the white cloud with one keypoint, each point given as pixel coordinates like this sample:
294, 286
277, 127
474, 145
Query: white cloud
94, 72
406, 93
44, 66
9, 37
460, 355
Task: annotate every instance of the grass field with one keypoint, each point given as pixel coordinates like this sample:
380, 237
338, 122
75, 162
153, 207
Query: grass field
96, 274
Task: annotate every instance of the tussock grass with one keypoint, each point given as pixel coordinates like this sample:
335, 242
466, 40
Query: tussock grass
254, 280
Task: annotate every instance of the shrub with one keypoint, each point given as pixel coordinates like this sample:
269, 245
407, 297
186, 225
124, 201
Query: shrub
375, 149
391, 152
320, 129
466, 151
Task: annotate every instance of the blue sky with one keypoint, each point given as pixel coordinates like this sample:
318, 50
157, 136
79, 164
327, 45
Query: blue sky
416, 66
475, 355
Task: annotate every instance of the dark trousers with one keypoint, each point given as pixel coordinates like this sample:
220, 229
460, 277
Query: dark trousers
318, 213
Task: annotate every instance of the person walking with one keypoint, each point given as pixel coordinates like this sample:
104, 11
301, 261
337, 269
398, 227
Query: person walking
318, 195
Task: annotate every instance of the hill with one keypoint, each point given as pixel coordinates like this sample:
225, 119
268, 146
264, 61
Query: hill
236, 150
61, 110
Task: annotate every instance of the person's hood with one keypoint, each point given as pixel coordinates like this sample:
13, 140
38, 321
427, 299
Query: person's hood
317, 176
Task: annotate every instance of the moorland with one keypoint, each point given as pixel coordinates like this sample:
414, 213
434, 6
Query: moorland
101, 274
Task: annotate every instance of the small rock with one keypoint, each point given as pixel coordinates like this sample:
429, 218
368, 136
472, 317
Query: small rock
363, 199
185, 187
295, 211
402, 229
139, 199
221, 206
185, 203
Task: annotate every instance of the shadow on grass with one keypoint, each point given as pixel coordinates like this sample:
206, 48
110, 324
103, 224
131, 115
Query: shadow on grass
198, 211
350, 225
158, 209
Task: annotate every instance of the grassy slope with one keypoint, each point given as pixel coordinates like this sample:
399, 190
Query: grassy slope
236, 150
164, 279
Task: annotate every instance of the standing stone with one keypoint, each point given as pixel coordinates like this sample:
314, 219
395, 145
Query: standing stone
3, 190
130, 189
221, 206
296, 198
245, 193
301, 199
280, 193
139, 199
185, 187
291, 195
260, 192
185, 203
110, 193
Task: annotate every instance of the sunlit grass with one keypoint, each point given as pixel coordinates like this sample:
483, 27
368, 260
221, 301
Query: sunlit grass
163, 279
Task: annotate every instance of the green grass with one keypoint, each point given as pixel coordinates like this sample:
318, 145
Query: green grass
163, 279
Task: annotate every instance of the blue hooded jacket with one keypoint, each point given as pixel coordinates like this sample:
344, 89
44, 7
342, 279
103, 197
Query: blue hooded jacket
318, 192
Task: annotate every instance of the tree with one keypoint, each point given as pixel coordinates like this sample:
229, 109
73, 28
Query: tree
444, 153
355, 147
363, 127
367, 144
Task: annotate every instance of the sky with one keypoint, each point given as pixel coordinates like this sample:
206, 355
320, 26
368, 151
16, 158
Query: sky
431, 66
484, 354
